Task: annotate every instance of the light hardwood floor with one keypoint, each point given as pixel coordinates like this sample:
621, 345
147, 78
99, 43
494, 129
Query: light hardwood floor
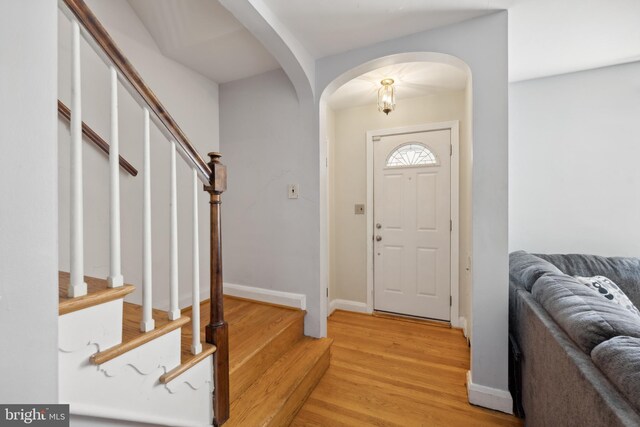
389, 372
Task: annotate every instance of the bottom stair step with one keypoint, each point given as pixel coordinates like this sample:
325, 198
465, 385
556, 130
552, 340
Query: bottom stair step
277, 396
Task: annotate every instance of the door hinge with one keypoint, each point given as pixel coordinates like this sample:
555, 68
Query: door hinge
451, 149
450, 225
327, 292
450, 300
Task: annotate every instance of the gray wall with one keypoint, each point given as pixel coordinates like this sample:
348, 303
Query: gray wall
268, 238
28, 211
574, 145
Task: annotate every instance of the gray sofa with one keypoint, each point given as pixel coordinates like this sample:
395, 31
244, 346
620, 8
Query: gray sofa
576, 355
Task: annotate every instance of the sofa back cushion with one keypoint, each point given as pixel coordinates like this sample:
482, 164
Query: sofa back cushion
587, 317
625, 272
526, 268
619, 360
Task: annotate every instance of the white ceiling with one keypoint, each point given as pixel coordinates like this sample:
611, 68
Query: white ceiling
412, 79
549, 37
332, 26
546, 37
205, 37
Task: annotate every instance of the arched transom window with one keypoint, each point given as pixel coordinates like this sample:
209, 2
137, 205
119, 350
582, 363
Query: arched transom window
411, 154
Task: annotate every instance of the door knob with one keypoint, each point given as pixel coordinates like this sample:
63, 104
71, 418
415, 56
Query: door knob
378, 238
378, 226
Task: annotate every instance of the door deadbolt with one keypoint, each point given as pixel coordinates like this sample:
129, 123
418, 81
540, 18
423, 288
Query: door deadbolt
378, 226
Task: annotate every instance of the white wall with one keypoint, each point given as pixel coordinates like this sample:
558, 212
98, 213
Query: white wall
348, 244
332, 186
28, 213
466, 215
574, 145
192, 100
482, 44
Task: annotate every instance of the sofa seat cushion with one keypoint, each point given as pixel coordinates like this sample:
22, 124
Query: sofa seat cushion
624, 271
619, 360
582, 313
525, 269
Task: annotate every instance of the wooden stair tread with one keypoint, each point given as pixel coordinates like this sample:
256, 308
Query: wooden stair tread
275, 398
98, 292
188, 360
245, 350
259, 333
132, 337
247, 372
252, 324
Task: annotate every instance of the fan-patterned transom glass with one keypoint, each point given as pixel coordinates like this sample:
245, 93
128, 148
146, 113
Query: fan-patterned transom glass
411, 154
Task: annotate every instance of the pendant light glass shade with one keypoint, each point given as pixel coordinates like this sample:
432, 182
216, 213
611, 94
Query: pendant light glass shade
387, 96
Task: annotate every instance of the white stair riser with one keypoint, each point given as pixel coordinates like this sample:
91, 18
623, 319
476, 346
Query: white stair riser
196, 377
100, 325
128, 386
162, 352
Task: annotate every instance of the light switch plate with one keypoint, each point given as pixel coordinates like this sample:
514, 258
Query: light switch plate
359, 209
293, 191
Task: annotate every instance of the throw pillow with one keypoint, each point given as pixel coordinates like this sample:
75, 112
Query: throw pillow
609, 290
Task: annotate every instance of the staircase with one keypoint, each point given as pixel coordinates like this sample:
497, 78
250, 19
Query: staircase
227, 361
273, 367
109, 369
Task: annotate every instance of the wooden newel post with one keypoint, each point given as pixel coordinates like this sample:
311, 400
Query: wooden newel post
217, 329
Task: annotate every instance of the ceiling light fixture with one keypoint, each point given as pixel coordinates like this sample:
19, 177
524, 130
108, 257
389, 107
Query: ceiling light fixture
387, 96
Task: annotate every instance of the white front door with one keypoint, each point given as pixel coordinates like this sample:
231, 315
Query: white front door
412, 228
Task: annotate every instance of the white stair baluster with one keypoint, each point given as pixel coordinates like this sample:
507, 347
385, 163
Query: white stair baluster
147, 324
115, 275
77, 285
174, 310
196, 346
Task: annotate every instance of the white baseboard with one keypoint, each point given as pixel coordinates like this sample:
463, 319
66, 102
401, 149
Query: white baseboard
93, 415
186, 300
346, 305
488, 397
288, 299
462, 321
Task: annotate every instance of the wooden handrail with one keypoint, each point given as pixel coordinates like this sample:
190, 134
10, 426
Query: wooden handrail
92, 136
100, 35
213, 174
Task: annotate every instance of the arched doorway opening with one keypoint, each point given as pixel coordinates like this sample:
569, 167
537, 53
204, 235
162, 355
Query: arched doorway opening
352, 287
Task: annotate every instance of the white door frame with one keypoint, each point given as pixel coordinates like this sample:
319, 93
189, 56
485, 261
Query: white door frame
453, 127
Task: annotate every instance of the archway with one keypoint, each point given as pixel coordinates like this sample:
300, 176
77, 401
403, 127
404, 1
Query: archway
462, 301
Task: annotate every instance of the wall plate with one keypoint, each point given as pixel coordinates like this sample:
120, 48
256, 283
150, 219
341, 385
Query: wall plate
293, 191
